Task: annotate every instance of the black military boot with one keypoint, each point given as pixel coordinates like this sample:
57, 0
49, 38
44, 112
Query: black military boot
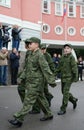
15, 122
61, 112
75, 104
46, 118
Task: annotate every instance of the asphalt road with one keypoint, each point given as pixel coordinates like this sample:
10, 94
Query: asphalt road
72, 120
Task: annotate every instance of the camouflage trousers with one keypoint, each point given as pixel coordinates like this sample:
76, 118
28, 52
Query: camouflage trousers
21, 90
31, 96
67, 96
48, 96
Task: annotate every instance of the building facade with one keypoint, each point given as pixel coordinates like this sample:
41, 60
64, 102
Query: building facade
54, 21
63, 21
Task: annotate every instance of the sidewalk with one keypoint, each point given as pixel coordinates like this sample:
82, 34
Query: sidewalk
72, 120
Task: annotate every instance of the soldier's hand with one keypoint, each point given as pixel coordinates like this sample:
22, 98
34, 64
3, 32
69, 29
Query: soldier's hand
75, 78
53, 85
19, 81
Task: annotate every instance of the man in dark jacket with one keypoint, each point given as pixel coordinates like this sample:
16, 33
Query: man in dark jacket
14, 62
6, 36
16, 37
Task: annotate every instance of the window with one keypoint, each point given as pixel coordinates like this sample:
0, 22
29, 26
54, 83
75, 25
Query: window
72, 9
82, 11
46, 28
6, 3
59, 8
58, 30
82, 31
71, 31
46, 6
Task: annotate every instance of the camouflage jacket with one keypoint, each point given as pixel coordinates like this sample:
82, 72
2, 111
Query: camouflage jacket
68, 68
37, 67
50, 61
21, 74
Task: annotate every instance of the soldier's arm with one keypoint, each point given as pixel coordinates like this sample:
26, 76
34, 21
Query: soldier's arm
46, 70
74, 69
50, 62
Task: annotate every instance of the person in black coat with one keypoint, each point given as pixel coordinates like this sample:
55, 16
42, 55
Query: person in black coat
6, 36
16, 37
14, 65
80, 68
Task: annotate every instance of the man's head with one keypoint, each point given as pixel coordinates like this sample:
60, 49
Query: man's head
33, 43
67, 48
4, 49
43, 47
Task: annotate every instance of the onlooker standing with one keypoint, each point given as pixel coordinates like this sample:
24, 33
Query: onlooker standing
16, 37
3, 66
69, 73
1, 33
80, 68
14, 65
55, 59
6, 36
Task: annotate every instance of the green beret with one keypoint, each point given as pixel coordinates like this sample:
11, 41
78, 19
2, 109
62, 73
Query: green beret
69, 45
33, 39
43, 46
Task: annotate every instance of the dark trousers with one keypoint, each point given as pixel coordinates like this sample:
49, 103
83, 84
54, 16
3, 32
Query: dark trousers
80, 73
1, 44
14, 72
3, 74
15, 44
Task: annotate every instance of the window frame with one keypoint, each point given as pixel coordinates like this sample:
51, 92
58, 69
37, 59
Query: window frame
60, 13
81, 13
48, 10
60, 28
47, 26
81, 31
5, 3
73, 4
74, 31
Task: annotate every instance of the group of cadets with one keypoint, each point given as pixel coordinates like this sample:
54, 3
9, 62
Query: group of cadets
39, 72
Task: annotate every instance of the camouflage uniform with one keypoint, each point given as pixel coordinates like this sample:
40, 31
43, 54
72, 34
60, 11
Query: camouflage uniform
48, 95
21, 76
36, 69
69, 73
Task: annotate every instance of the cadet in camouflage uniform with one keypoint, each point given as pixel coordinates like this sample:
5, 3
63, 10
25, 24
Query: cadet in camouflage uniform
69, 73
36, 69
49, 96
21, 76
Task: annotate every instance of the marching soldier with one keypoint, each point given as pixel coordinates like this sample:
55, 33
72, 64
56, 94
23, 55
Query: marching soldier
36, 69
69, 73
